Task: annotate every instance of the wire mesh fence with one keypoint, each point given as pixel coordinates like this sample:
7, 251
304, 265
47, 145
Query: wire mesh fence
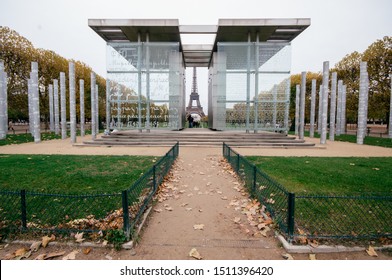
315, 217
24, 210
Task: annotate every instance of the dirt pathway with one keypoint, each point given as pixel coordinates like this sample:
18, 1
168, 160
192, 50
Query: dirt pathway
204, 192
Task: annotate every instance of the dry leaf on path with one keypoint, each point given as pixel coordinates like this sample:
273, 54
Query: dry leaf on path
35, 246
265, 231
104, 243
287, 256
224, 197
86, 251
195, 254
198, 226
40, 257
169, 208
71, 256
371, 252
158, 210
54, 255
312, 257
79, 237
188, 209
237, 220
47, 239
184, 204
20, 252
313, 243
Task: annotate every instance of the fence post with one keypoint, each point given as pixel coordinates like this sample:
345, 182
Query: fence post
254, 180
124, 195
154, 178
290, 217
23, 208
238, 163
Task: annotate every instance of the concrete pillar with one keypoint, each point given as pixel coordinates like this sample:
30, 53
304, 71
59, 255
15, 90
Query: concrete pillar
108, 105
343, 120
339, 109
51, 109
332, 112
3, 105
96, 110
297, 91
361, 128
82, 118
63, 106
256, 95
35, 102
247, 116
320, 109
56, 107
287, 106
312, 108
390, 110
30, 105
93, 108
302, 106
324, 113
72, 101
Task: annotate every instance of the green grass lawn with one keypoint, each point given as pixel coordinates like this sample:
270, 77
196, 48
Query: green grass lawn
71, 174
369, 140
323, 175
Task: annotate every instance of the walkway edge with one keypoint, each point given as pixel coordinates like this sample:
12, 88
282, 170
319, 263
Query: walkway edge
307, 249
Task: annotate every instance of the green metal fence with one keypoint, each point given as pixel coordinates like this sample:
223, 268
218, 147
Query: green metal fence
315, 217
88, 213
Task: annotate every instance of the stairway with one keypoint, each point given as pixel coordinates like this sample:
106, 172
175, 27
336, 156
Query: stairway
198, 137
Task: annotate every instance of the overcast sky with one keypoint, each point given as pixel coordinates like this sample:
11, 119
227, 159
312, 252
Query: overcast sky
338, 27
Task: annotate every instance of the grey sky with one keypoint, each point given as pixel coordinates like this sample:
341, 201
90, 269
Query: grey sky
338, 27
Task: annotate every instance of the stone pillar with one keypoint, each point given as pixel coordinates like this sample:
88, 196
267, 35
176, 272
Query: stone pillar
35, 102
93, 108
287, 106
56, 107
343, 120
96, 110
63, 106
320, 109
362, 122
72, 101
51, 113
390, 111
108, 105
3, 105
297, 91
339, 109
324, 114
30, 103
82, 118
332, 112
312, 108
302, 106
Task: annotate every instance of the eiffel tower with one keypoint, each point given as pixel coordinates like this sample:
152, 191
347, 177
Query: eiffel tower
194, 96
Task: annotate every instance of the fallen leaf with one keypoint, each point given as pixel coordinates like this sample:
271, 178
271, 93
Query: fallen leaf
184, 204
313, 243
200, 210
196, 189
375, 168
188, 209
20, 252
86, 251
169, 208
224, 197
237, 220
108, 257
261, 226
47, 239
104, 243
312, 257
158, 210
371, 252
53, 255
40, 257
201, 173
71, 256
79, 237
198, 226
287, 256
195, 254
35, 246
265, 231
